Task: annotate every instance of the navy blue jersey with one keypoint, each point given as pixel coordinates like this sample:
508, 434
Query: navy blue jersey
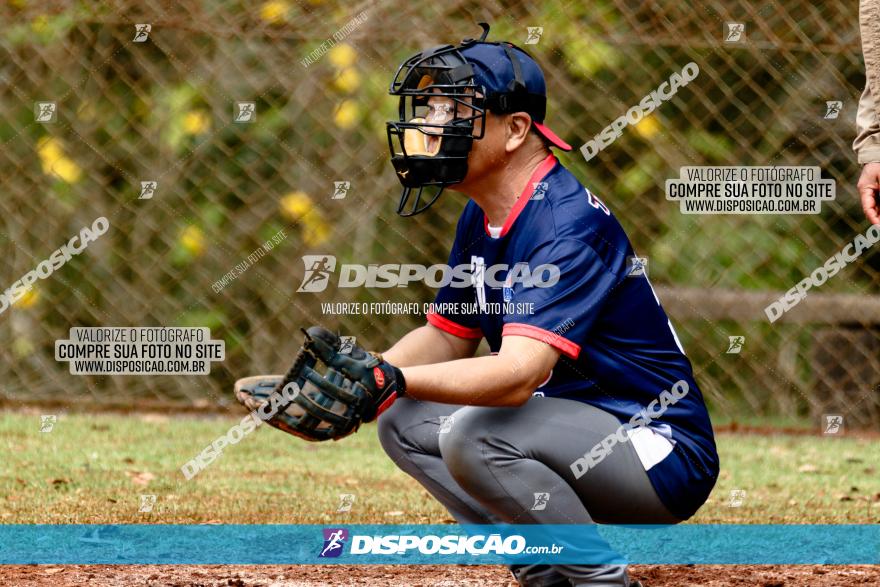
563, 271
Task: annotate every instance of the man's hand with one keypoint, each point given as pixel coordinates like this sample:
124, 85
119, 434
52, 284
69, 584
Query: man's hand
376, 381
354, 387
869, 184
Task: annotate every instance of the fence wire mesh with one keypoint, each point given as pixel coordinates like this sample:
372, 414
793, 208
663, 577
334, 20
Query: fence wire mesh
163, 109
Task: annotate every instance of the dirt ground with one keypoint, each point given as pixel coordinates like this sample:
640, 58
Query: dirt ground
418, 576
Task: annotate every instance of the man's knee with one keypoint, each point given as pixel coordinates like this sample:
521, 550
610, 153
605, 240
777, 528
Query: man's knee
464, 444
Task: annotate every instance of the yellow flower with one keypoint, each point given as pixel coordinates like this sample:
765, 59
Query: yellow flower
298, 207
648, 127
296, 204
196, 122
40, 23
193, 240
342, 55
29, 299
275, 11
348, 80
54, 161
49, 149
67, 170
346, 114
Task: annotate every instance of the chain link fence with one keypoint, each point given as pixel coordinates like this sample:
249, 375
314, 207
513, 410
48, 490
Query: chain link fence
203, 130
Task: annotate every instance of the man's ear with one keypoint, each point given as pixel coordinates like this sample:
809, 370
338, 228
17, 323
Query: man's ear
518, 125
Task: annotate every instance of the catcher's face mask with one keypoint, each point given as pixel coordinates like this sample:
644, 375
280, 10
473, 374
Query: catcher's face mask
438, 110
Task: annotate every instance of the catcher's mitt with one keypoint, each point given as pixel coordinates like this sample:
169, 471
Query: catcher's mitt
355, 388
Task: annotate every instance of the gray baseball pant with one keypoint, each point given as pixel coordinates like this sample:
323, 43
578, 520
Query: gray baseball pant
488, 465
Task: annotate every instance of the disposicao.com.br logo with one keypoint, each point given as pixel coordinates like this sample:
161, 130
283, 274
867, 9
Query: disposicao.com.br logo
394, 544
319, 268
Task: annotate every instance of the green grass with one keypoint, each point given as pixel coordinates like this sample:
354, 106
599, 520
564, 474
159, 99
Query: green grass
93, 469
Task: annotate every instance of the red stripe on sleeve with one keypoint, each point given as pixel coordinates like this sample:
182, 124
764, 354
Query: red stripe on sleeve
568, 348
447, 325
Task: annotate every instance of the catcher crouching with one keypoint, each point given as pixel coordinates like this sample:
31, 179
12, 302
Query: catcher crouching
587, 410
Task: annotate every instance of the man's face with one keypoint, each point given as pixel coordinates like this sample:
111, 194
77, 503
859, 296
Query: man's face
485, 154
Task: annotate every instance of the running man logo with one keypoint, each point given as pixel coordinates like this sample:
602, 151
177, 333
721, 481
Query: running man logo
540, 190
833, 424
47, 422
832, 109
735, 344
737, 497
541, 501
147, 503
534, 35
346, 344
637, 266
334, 541
245, 112
142, 32
45, 112
317, 275
733, 32
148, 188
340, 189
446, 423
346, 500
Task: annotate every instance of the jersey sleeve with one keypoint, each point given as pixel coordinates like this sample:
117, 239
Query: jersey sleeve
560, 312
450, 312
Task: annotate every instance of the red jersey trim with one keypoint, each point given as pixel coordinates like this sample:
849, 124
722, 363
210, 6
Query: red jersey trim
539, 173
447, 325
568, 348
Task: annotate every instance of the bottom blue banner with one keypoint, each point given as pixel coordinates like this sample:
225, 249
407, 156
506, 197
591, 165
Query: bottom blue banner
439, 544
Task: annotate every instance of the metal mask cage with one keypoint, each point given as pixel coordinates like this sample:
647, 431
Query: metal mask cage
412, 112
439, 73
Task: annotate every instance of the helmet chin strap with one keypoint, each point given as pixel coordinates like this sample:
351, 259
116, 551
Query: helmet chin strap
415, 208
